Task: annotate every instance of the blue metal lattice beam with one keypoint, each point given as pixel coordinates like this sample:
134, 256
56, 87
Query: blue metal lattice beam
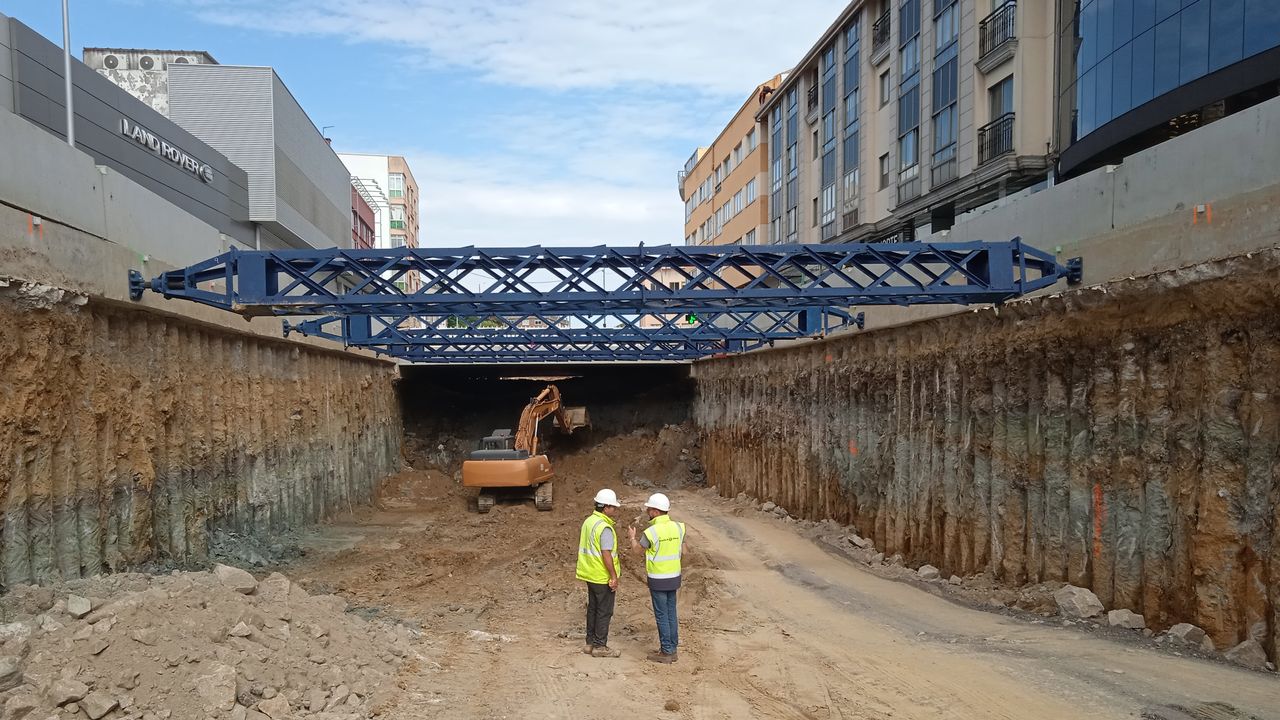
720, 329
605, 279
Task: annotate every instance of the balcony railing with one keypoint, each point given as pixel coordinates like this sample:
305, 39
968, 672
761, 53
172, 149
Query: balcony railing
812, 99
680, 177
880, 31
997, 28
995, 138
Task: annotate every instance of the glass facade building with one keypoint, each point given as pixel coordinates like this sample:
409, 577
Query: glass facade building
1140, 63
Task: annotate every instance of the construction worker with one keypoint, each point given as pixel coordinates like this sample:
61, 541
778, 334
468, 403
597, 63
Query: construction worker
598, 567
663, 544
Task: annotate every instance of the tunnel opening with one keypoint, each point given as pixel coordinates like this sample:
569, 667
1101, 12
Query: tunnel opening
632, 408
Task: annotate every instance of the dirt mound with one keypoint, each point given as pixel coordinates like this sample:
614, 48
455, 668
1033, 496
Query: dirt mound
643, 459
207, 644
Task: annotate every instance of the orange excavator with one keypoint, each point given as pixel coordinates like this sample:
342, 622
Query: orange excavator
511, 464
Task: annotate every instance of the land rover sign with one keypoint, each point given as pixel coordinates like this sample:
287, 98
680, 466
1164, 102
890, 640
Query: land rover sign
165, 149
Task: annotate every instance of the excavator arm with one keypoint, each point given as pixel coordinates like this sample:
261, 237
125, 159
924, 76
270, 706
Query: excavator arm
546, 403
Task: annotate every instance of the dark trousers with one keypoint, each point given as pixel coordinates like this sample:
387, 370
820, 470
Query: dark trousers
664, 611
599, 613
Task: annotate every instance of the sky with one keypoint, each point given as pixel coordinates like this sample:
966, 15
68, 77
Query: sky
552, 122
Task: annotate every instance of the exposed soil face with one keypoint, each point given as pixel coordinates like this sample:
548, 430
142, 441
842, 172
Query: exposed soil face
1124, 439
126, 437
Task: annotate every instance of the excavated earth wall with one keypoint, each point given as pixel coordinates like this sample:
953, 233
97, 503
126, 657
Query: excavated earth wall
1126, 440
127, 437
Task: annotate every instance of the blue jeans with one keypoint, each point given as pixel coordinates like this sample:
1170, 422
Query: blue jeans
664, 610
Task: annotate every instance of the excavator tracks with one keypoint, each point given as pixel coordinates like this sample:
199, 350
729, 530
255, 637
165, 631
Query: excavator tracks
485, 501
542, 498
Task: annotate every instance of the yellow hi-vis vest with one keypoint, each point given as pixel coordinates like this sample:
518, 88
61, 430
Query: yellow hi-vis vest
590, 558
662, 557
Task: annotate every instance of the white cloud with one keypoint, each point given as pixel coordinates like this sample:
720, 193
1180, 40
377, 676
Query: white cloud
496, 202
716, 46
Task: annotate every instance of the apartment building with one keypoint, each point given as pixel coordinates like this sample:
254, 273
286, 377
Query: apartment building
721, 184
905, 113
388, 179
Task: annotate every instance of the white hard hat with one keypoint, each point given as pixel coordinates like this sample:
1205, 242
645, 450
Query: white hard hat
658, 501
607, 497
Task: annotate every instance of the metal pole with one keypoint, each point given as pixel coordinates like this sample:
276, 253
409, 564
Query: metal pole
66, 73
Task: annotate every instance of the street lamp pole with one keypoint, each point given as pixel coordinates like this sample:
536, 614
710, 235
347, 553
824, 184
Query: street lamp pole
66, 73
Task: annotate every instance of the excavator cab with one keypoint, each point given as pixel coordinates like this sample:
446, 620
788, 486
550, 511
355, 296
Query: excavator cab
509, 463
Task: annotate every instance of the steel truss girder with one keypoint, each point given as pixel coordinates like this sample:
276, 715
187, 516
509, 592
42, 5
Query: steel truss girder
741, 330
567, 353
608, 279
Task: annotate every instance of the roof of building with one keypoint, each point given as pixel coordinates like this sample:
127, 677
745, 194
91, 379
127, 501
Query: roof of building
157, 51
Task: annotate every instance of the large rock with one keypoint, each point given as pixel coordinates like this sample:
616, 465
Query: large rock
276, 708
64, 691
97, 704
218, 688
928, 572
20, 705
1249, 654
10, 672
275, 588
1077, 602
1187, 633
861, 542
235, 579
78, 607
1126, 619
768, 507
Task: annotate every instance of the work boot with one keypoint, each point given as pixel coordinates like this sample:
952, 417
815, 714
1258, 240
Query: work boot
661, 657
586, 649
604, 651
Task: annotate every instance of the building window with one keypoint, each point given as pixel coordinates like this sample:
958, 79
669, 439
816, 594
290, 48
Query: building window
815, 212
886, 88
737, 202
751, 191
816, 144
397, 241
850, 151
752, 141
884, 171
1001, 95
945, 26
395, 185
397, 217
943, 168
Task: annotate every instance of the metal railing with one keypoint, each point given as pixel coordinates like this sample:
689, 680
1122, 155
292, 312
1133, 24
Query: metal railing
995, 138
997, 28
881, 31
812, 98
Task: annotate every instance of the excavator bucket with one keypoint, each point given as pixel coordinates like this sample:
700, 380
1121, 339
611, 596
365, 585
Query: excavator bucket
576, 417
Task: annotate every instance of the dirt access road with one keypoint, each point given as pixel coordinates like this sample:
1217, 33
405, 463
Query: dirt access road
772, 626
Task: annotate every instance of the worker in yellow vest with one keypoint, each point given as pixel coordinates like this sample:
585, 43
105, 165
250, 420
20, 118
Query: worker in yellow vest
598, 567
663, 544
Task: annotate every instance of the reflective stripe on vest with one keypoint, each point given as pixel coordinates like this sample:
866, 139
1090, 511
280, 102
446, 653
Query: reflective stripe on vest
590, 557
666, 541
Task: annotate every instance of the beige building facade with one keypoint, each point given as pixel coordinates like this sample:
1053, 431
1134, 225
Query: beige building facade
906, 113
722, 184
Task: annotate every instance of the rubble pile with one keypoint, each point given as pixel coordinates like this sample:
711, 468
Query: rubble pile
202, 644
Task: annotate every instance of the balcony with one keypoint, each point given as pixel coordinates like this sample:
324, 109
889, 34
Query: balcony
997, 36
881, 32
995, 138
680, 178
811, 98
